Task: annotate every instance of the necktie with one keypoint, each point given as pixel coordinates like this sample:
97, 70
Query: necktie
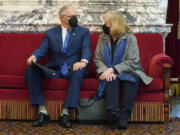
66, 41
64, 68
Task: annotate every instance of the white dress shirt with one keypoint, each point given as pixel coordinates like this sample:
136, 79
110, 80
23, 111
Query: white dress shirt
64, 32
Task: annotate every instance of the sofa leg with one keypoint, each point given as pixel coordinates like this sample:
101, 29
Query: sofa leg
166, 82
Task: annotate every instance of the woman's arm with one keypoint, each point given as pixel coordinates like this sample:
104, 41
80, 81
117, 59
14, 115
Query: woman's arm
98, 59
131, 61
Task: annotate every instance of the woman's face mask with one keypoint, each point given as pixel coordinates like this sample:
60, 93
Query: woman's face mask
73, 22
106, 29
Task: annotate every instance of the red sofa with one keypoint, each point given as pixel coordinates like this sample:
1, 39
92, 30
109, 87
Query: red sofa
152, 102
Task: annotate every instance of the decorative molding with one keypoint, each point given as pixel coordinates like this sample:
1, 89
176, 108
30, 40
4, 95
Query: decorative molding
18, 28
143, 16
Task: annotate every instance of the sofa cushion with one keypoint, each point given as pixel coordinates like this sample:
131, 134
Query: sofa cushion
89, 84
155, 85
54, 95
154, 96
23, 94
12, 81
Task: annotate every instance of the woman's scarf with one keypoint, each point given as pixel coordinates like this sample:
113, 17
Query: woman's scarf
112, 61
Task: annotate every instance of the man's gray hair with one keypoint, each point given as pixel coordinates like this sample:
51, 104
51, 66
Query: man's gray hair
63, 9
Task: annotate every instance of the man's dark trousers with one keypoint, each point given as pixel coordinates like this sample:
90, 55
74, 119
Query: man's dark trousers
34, 76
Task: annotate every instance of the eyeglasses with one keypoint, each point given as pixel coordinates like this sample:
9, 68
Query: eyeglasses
71, 16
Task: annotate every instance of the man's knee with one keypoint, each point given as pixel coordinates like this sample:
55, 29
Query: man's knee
79, 73
30, 70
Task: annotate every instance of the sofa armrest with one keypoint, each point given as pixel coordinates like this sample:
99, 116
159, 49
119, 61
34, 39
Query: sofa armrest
160, 67
157, 64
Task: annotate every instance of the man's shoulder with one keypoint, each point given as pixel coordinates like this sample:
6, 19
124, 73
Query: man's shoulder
82, 28
53, 29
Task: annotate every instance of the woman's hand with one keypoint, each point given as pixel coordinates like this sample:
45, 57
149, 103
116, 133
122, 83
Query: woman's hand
108, 75
111, 77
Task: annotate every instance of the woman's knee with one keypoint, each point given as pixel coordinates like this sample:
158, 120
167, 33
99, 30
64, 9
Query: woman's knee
113, 82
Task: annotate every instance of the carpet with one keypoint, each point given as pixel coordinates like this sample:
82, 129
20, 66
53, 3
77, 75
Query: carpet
25, 128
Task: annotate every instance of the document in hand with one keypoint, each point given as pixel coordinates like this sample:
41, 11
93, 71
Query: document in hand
48, 70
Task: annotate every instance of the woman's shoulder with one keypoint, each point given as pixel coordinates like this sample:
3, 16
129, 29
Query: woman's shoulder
130, 36
102, 36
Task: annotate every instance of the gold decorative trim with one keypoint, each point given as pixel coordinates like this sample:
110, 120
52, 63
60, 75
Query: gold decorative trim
22, 110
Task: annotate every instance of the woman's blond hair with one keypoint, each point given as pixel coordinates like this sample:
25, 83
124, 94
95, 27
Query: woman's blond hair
118, 23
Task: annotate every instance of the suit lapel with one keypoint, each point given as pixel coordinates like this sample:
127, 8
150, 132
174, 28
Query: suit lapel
59, 38
71, 36
69, 42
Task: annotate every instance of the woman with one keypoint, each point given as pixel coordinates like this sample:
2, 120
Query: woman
118, 67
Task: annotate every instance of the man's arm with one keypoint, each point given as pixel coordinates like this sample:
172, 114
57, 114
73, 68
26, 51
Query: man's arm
85, 52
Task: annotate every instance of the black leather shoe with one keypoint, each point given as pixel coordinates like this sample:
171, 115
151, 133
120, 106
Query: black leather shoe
65, 121
43, 120
122, 124
112, 117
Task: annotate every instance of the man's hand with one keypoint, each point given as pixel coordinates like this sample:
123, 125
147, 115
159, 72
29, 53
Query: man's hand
79, 65
30, 60
108, 75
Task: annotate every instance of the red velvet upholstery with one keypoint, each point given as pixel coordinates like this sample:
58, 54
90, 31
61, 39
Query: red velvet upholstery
149, 45
156, 65
90, 84
23, 94
16, 48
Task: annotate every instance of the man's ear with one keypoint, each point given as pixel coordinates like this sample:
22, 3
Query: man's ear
60, 17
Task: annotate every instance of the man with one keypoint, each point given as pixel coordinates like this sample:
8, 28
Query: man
70, 51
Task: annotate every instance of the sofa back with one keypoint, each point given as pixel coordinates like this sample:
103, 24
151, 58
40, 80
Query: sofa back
15, 48
149, 45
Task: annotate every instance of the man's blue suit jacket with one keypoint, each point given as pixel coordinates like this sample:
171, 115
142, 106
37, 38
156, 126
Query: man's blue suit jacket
79, 46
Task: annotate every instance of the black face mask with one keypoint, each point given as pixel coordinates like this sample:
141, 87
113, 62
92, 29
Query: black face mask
73, 22
106, 29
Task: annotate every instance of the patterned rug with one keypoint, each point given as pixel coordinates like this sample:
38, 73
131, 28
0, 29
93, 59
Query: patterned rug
25, 128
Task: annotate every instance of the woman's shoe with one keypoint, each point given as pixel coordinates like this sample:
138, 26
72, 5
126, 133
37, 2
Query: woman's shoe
122, 125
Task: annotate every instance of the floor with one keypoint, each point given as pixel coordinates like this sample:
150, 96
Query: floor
175, 107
